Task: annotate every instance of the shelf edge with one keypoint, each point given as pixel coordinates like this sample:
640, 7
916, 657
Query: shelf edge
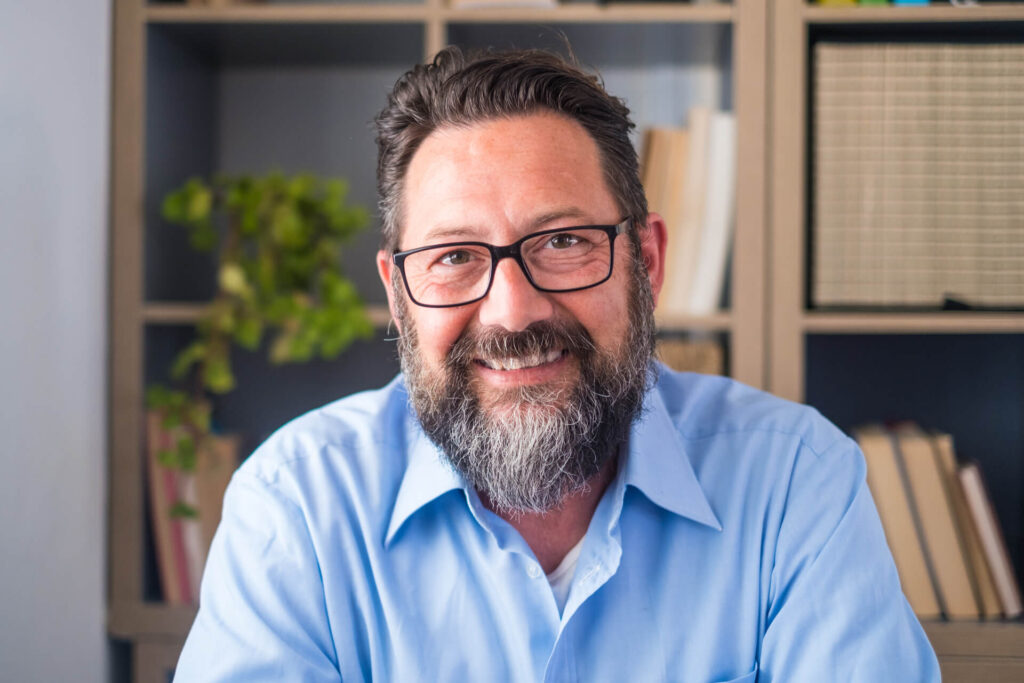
895, 14
415, 12
913, 323
184, 313
287, 14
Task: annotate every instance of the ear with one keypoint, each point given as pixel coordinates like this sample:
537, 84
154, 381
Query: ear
653, 241
385, 267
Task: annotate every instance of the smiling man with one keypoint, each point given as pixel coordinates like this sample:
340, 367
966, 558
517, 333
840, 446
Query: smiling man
534, 499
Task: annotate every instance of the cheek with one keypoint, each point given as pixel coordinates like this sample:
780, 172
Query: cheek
602, 311
438, 329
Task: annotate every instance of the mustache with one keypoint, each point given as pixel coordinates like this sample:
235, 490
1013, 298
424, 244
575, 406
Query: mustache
540, 337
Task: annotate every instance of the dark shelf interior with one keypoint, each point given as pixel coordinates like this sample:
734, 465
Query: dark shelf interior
249, 99
966, 385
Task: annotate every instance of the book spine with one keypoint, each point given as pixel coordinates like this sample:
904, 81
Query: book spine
915, 514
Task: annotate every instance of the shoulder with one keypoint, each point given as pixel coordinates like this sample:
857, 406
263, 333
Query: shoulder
704, 407
351, 448
747, 446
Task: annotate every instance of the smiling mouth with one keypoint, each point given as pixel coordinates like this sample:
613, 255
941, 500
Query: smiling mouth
522, 362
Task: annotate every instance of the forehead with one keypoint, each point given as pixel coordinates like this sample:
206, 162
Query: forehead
498, 179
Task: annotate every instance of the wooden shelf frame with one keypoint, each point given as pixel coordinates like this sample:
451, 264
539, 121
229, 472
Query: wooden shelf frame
767, 325
790, 322
157, 629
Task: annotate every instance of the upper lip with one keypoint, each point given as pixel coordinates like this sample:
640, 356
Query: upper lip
524, 361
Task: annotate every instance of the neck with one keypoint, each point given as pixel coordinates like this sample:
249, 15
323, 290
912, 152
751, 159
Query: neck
552, 534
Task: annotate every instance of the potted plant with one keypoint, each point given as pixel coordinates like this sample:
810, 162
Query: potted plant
278, 242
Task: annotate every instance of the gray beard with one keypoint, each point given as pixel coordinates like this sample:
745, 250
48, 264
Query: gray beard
528, 448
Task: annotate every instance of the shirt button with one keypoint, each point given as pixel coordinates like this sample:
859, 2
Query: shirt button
533, 571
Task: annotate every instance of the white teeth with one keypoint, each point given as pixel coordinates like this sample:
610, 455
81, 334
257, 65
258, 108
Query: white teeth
520, 362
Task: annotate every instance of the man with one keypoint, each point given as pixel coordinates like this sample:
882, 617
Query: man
533, 499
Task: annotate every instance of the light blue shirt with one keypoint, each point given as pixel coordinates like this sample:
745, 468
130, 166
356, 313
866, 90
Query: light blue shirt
738, 542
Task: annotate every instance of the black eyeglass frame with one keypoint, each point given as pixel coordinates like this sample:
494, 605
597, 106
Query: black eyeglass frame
513, 251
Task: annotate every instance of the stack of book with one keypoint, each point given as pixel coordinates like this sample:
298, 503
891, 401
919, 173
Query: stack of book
940, 525
918, 175
185, 507
689, 176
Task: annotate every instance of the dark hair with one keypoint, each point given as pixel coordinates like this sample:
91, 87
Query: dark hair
460, 89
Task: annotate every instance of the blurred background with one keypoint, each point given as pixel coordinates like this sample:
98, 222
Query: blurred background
189, 226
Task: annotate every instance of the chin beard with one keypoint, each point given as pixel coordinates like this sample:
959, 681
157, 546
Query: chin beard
525, 449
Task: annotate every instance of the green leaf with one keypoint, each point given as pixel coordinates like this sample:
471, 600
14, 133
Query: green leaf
249, 333
250, 221
157, 396
287, 227
171, 419
217, 376
232, 279
202, 236
280, 349
199, 204
182, 510
189, 356
173, 208
199, 416
186, 453
301, 186
167, 458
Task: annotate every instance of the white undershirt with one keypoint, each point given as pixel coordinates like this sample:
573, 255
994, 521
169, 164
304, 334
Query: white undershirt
561, 577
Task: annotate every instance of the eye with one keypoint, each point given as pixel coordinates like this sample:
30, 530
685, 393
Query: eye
456, 257
564, 240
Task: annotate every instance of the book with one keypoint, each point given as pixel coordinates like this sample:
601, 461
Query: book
663, 173
182, 543
708, 276
977, 565
886, 483
937, 524
215, 466
167, 535
987, 525
191, 536
685, 240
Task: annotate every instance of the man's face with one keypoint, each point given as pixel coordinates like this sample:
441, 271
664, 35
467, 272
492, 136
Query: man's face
495, 182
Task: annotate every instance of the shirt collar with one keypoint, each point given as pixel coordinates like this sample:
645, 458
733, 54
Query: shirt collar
427, 477
656, 465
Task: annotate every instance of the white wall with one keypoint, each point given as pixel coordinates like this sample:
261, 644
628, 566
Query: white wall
54, 142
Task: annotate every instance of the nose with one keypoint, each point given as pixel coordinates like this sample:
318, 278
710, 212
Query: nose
513, 303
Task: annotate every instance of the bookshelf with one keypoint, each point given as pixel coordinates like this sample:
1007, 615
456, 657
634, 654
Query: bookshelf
959, 371
294, 85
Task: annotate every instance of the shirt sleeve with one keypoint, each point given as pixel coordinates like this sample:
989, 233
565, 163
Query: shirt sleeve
836, 610
262, 613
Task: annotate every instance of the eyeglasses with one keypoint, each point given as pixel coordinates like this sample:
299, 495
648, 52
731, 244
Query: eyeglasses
557, 260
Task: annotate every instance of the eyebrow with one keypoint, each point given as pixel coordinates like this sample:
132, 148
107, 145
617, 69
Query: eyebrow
473, 232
